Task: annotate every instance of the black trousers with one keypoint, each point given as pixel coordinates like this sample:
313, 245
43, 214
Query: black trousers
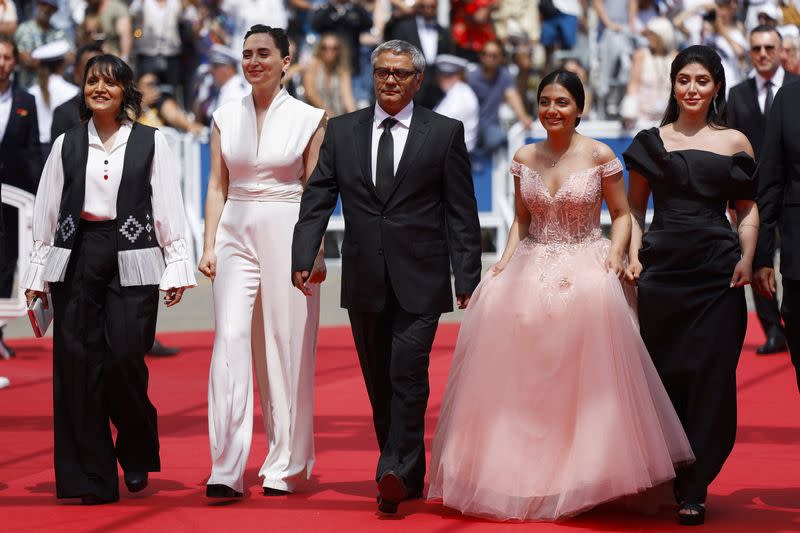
8, 256
101, 332
790, 310
394, 349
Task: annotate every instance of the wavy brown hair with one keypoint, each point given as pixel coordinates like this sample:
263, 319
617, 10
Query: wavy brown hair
114, 68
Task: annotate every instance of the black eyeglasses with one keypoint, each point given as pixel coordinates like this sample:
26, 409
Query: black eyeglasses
400, 74
766, 47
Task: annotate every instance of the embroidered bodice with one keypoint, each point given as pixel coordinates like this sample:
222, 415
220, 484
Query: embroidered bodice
572, 215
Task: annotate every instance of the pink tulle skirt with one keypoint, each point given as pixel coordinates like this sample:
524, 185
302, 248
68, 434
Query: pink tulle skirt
552, 404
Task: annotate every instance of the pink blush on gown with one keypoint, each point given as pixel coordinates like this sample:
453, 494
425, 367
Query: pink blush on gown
553, 404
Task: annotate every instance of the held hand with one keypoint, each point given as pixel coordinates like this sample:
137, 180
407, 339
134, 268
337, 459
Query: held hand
208, 265
764, 282
742, 274
173, 296
498, 267
633, 271
31, 294
319, 271
463, 300
299, 280
614, 264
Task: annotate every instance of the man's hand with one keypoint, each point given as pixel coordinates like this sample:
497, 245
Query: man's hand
300, 279
764, 282
463, 300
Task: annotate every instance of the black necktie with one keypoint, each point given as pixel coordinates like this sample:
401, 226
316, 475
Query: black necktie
384, 167
770, 96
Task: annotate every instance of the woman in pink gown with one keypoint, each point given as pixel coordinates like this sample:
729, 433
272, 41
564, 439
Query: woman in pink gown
553, 404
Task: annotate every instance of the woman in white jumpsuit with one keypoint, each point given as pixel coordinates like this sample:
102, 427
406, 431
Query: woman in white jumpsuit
263, 148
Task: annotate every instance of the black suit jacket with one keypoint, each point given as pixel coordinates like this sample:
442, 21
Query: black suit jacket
428, 223
405, 29
20, 151
65, 117
779, 183
744, 113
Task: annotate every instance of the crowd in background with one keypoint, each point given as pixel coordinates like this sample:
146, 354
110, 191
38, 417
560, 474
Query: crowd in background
186, 52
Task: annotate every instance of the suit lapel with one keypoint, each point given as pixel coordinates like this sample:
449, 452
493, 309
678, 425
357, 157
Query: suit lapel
418, 133
363, 137
13, 118
752, 102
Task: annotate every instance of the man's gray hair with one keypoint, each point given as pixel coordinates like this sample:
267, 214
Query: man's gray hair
401, 47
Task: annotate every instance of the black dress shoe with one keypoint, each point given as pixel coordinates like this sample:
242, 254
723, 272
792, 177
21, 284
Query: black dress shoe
221, 491
6, 351
774, 344
270, 491
159, 350
91, 499
135, 481
413, 494
392, 490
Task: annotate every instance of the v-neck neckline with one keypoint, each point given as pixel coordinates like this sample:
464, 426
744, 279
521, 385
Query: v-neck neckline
276, 101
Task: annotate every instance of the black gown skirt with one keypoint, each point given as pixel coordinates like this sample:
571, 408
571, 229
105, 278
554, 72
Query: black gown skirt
692, 322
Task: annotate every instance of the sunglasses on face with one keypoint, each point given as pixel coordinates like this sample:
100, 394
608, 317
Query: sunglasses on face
399, 74
330, 47
769, 48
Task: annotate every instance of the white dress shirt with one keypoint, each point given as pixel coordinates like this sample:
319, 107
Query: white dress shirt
60, 91
6, 102
428, 39
777, 83
399, 134
103, 177
461, 104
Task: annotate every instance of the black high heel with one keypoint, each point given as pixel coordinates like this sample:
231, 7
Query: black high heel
696, 515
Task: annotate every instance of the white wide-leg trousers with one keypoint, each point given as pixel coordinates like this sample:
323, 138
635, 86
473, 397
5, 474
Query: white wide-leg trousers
261, 318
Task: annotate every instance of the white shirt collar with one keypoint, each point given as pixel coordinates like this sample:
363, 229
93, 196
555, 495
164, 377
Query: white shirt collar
403, 117
776, 79
6, 95
122, 136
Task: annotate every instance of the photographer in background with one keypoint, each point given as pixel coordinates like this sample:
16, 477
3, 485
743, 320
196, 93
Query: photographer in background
715, 25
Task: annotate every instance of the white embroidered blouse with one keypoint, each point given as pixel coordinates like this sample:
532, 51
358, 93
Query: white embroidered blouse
103, 176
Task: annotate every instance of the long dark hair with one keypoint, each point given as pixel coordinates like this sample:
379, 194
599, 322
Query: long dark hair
709, 60
570, 82
116, 69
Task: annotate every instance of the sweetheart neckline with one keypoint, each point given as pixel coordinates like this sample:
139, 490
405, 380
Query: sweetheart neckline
566, 179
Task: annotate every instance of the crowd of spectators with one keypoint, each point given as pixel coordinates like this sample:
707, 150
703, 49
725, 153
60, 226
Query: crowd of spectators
186, 52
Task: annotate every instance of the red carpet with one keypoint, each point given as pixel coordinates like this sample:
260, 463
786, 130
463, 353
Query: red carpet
758, 490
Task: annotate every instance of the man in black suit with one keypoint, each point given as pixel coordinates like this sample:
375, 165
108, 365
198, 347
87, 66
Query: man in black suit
779, 202
20, 161
403, 173
748, 107
424, 32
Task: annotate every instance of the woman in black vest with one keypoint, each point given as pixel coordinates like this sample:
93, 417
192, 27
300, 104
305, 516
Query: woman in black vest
108, 216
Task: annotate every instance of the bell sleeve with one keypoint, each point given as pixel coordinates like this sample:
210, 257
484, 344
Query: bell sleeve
47, 261
170, 218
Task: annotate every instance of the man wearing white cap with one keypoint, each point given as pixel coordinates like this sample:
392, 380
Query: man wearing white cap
226, 84
32, 34
51, 89
459, 100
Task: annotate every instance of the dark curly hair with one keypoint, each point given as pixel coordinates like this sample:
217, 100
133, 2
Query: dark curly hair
709, 60
114, 68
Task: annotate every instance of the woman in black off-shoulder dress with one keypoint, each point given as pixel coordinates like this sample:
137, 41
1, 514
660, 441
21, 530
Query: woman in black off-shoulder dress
691, 266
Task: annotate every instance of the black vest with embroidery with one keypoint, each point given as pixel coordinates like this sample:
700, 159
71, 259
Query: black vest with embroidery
134, 207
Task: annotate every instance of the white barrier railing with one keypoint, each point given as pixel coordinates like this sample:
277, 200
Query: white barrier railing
15, 305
